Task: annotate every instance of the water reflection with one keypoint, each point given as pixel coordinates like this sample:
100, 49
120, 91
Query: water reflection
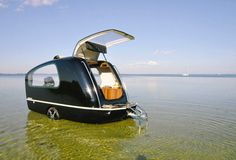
62, 139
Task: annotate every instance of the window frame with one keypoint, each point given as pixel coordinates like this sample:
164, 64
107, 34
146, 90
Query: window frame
31, 73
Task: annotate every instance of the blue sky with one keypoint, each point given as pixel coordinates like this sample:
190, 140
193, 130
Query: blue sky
172, 36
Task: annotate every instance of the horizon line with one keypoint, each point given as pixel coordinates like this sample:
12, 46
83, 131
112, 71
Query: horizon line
155, 74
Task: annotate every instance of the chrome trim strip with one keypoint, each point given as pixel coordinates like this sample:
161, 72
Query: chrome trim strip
73, 106
95, 89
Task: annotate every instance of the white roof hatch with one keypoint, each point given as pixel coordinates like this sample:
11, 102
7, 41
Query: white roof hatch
91, 46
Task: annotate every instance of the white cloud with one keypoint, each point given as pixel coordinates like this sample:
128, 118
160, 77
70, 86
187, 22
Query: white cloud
35, 3
149, 66
164, 52
145, 63
152, 63
3, 4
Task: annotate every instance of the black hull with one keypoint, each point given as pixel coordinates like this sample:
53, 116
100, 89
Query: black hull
83, 115
93, 116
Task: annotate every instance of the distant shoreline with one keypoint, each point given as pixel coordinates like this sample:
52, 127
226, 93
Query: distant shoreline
183, 75
12, 74
151, 75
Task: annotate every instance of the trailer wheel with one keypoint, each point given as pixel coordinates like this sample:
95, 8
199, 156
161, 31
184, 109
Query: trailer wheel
53, 113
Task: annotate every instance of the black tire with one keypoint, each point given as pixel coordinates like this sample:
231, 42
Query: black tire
53, 113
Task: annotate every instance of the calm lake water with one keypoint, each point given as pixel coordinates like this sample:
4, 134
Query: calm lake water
189, 118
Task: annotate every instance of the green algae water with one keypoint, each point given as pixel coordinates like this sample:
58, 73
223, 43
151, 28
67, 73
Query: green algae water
189, 118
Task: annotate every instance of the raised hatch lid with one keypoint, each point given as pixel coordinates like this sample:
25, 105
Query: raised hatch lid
104, 39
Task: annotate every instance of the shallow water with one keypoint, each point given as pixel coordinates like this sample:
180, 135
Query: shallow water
189, 118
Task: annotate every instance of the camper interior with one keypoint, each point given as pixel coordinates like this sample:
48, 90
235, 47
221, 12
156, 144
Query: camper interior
106, 80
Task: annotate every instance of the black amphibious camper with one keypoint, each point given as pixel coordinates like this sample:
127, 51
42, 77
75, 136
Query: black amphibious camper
82, 87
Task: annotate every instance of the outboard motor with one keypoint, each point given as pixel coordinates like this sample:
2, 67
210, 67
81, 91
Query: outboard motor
140, 115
